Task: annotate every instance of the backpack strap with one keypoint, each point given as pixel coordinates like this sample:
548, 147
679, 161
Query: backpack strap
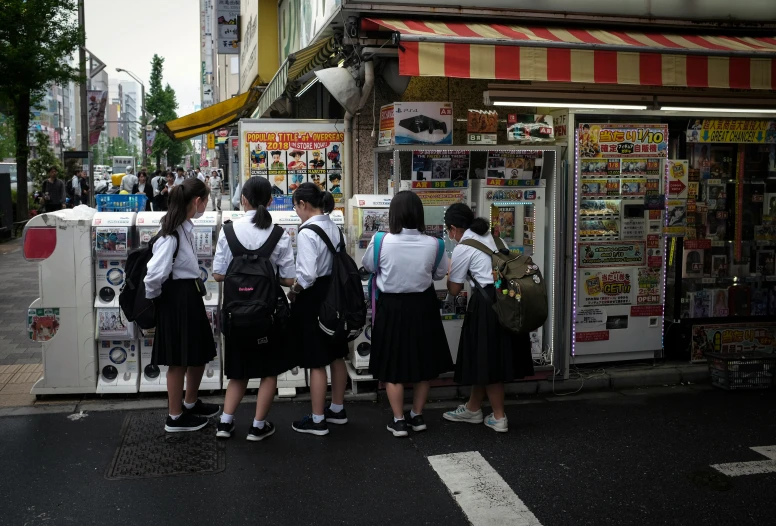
265, 251
373, 290
440, 253
322, 234
177, 246
479, 246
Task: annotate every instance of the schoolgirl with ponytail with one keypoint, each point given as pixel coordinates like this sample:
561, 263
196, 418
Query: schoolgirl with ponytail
243, 356
315, 350
183, 340
488, 354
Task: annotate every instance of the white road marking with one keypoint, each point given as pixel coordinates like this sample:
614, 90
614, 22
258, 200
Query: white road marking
755, 467
481, 492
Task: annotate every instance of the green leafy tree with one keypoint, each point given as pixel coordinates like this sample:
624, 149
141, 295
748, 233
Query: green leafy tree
7, 138
44, 159
161, 102
117, 146
37, 39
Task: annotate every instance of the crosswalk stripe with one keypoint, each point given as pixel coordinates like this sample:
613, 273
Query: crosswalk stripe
485, 498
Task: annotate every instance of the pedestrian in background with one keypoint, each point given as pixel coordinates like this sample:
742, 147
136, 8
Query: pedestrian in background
75, 188
180, 177
215, 189
409, 345
200, 176
157, 182
53, 190
183, 340
244, 356
85, 188
144, 188
488, 354
129, 181
164, 193
313, 349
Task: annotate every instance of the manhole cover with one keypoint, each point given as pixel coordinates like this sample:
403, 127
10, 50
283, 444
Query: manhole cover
710, 478
147, 451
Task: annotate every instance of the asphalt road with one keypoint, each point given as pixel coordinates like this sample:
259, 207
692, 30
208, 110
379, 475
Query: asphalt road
603, 459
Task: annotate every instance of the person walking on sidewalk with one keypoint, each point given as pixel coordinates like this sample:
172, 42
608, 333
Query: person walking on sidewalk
313, 349
488, 354
215, 190
53, 191
245, 356
409, 345
183, 340
75, 186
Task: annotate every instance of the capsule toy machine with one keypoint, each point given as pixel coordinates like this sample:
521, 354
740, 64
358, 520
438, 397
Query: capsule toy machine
514, 198
203, 240
368, 214
118, 352
153, 378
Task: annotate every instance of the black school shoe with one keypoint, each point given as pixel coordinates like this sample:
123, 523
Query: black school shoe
185, 422
417, 423
306, 425
224, 430
203, 409
335, 418
255, 434
398, 428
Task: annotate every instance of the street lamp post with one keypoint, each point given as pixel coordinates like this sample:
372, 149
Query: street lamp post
142, 114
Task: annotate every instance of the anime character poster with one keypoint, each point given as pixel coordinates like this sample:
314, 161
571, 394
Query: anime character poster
42, 324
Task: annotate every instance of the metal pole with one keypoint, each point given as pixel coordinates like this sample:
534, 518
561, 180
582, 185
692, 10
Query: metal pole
84, 102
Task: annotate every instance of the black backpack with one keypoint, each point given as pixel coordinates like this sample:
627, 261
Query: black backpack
343, 312
132, 299
254, 302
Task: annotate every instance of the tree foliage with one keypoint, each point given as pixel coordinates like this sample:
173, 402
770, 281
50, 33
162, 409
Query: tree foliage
44, 159
161, 102
7, 138
37, 39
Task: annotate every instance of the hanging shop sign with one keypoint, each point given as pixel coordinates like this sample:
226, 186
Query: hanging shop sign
733, 338
227, 30
481, 127
623, 140
605, 287
97, 100
440, 166
292, 153
42, 324
732, 131
530, 128
560, 124
416, 123
611, 254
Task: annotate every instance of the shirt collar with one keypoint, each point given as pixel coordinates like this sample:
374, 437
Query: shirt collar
324, 218
469, 234
250, 213
188, 226
410, 231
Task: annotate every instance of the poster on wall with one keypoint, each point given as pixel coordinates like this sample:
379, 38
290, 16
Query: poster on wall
677, 175
733, 338
611, 254
514, 165
676, 210
648, 292
530, 128
289, 154
622, 140
372, 220
605, 287
481, 127
42, 324
440, 166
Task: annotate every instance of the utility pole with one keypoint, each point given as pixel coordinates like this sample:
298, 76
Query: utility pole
84, 101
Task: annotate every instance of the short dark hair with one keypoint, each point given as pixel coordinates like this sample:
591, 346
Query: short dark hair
179, 169
51, 168
406, 211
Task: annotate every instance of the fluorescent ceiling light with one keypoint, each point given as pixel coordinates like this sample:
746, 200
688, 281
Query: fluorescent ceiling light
716, 110
570, 105
309, 85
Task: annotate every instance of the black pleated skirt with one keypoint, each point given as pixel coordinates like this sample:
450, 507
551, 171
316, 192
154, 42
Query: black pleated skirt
312, 348
408, 340
487, 352
183, 333
245, 358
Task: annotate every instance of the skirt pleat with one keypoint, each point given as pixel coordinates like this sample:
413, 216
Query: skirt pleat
487, 352
312, 348
245, 358
183, 333
408, 340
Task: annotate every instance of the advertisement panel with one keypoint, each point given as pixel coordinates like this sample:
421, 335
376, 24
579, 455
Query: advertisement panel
733, 338
290, 153
623, 140
732, 131
611, 254
97, 100
227, 30
605, 287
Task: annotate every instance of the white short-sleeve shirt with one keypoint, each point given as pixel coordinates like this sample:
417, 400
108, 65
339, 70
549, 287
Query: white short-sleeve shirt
186, 265
467, 259
252, 238
313, 258
406, 262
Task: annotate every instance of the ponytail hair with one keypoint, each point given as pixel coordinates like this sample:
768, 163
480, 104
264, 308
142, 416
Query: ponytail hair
180, 198
461, 216
258, 191
317, 198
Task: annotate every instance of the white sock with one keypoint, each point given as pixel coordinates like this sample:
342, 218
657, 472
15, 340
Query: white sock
258, 424
317, 419
336, 407
188, 405
226, 419
413, 414
397, 419
175, 417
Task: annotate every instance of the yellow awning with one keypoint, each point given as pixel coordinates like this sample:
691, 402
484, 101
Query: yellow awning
212, 117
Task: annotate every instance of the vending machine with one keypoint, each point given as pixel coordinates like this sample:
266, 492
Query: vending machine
204, 238
118, 353
368, 214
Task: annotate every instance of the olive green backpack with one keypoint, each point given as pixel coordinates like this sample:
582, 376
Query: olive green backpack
521, 297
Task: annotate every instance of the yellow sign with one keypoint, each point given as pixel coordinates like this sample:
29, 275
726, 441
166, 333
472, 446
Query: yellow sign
211, 141
732, 131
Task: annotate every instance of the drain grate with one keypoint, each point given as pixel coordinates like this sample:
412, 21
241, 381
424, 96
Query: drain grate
147, 451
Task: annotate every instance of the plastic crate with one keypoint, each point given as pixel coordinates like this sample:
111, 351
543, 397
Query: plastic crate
737, 372
121, 202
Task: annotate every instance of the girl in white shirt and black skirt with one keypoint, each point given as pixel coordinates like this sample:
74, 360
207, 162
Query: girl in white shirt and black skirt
488, 354
409, 345
314, 349
244, 357
183, 340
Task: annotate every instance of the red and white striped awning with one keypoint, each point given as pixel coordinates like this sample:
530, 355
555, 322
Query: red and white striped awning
508, 52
